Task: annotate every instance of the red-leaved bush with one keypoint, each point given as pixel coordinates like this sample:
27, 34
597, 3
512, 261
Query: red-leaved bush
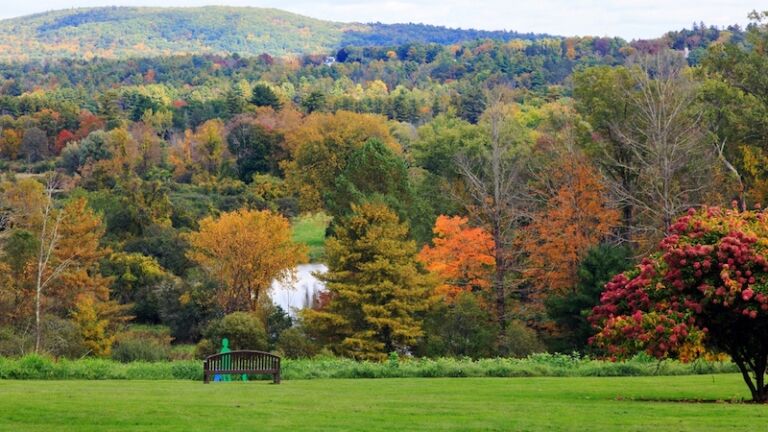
705, 290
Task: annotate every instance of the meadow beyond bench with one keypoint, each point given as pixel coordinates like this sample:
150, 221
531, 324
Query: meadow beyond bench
242, 362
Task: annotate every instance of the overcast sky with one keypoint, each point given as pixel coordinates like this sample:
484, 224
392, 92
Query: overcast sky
625, 18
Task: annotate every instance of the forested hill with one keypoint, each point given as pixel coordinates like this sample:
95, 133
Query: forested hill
121, 32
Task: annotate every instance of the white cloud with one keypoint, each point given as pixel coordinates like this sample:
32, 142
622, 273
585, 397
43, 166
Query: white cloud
625, 18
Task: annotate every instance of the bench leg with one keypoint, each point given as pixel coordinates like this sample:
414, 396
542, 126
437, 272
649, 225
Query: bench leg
276, 378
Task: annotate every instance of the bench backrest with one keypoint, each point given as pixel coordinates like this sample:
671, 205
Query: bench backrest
243, 361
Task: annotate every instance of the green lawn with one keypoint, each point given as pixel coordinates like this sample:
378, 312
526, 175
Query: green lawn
310, 230
508, 404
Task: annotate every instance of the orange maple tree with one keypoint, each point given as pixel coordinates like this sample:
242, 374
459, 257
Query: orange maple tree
462, 257
575, 218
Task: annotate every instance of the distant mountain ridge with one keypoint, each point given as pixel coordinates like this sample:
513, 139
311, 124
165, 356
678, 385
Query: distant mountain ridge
123, 32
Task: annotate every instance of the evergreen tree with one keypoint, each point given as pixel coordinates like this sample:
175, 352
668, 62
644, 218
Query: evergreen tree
235, 100
264, 96
472, 103
570, 310
376, 288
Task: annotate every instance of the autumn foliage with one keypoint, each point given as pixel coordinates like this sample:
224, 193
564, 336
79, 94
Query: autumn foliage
574, 219
461, 256
706, 288
321, 147
376, 289
245, 250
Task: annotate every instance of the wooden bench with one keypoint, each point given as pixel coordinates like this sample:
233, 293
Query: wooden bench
242, 362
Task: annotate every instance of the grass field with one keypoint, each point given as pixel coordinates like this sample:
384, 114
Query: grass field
310, 230
504, 404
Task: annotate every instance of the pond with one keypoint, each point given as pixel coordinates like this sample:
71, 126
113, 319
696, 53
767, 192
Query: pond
298, 293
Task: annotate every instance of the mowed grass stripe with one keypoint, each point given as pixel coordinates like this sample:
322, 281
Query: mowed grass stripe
503, 404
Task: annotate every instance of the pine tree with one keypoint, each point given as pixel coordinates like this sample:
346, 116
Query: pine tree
235, 100
376, 287
264, 96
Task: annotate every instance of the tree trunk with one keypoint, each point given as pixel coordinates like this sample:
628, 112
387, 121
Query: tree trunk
501, 298
762, 391
626, 224
41, 264
757, 386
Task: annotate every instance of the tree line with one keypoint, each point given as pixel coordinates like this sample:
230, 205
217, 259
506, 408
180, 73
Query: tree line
471, 214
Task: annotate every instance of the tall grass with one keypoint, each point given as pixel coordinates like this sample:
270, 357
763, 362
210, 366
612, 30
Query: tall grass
538, 365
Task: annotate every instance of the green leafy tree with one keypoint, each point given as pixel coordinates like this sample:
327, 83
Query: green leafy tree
321, 147
600, 94
735, 102
133, 206
20, 247
314, 101
373, 170
163, 243
135, 280
256, 149
439, 142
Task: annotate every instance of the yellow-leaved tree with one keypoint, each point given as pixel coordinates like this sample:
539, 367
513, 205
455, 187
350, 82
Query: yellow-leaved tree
53, 253
321, 147
377, 289
244, 251
80, 290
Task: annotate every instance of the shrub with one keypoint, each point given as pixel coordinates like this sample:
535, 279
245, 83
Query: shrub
183, 352
60, 338
294, 343
520, 341
244, 331
131, 350
143, 343
461, 329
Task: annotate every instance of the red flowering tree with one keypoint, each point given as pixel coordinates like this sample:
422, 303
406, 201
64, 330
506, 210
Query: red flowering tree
705, 290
